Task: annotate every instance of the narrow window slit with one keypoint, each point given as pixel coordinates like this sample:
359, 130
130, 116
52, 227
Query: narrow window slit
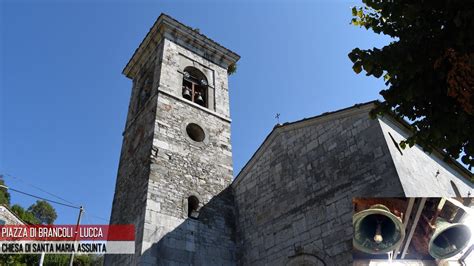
193, 207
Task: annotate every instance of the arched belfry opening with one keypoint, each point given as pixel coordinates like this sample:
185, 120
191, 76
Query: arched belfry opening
193, 207
195, 86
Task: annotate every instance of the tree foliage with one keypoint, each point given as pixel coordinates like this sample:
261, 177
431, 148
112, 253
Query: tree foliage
39, 213
231, 69
24, 215
428, 69
4, 195
43, 211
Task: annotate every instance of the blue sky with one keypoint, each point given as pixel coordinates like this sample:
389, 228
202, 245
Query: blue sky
63, 99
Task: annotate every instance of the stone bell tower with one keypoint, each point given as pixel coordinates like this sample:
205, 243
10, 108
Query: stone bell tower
176, 159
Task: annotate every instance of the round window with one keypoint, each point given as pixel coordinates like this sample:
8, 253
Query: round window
195, 132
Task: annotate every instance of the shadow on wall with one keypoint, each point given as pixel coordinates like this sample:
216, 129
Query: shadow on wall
208, 239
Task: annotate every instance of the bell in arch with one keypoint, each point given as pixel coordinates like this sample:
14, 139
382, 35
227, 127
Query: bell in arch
448, 239
200, 100
186, 93
377, 230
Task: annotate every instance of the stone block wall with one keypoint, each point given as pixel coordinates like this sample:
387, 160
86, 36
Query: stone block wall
131, 187
128, 206
294, 199
182, 167
161, 166
208, 240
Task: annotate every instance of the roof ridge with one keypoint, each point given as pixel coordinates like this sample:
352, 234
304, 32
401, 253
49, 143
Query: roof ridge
357, 105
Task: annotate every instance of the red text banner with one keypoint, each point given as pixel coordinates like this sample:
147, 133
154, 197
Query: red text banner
67, 232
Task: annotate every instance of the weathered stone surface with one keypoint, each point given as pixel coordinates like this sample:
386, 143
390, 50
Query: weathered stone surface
161, 166
296, 193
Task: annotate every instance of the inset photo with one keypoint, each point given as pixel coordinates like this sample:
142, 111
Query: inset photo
413, 231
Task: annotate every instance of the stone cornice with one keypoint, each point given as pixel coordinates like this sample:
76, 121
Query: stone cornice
169, 28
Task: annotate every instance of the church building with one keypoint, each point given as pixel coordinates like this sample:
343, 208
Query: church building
291, 204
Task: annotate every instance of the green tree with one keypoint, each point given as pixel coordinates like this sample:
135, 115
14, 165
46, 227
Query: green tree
428, 69
25, 215
43, 211
4, 194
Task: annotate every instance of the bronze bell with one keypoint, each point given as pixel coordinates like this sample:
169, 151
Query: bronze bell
200, 100
186, 93
186, 74
448, 239
377, 230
